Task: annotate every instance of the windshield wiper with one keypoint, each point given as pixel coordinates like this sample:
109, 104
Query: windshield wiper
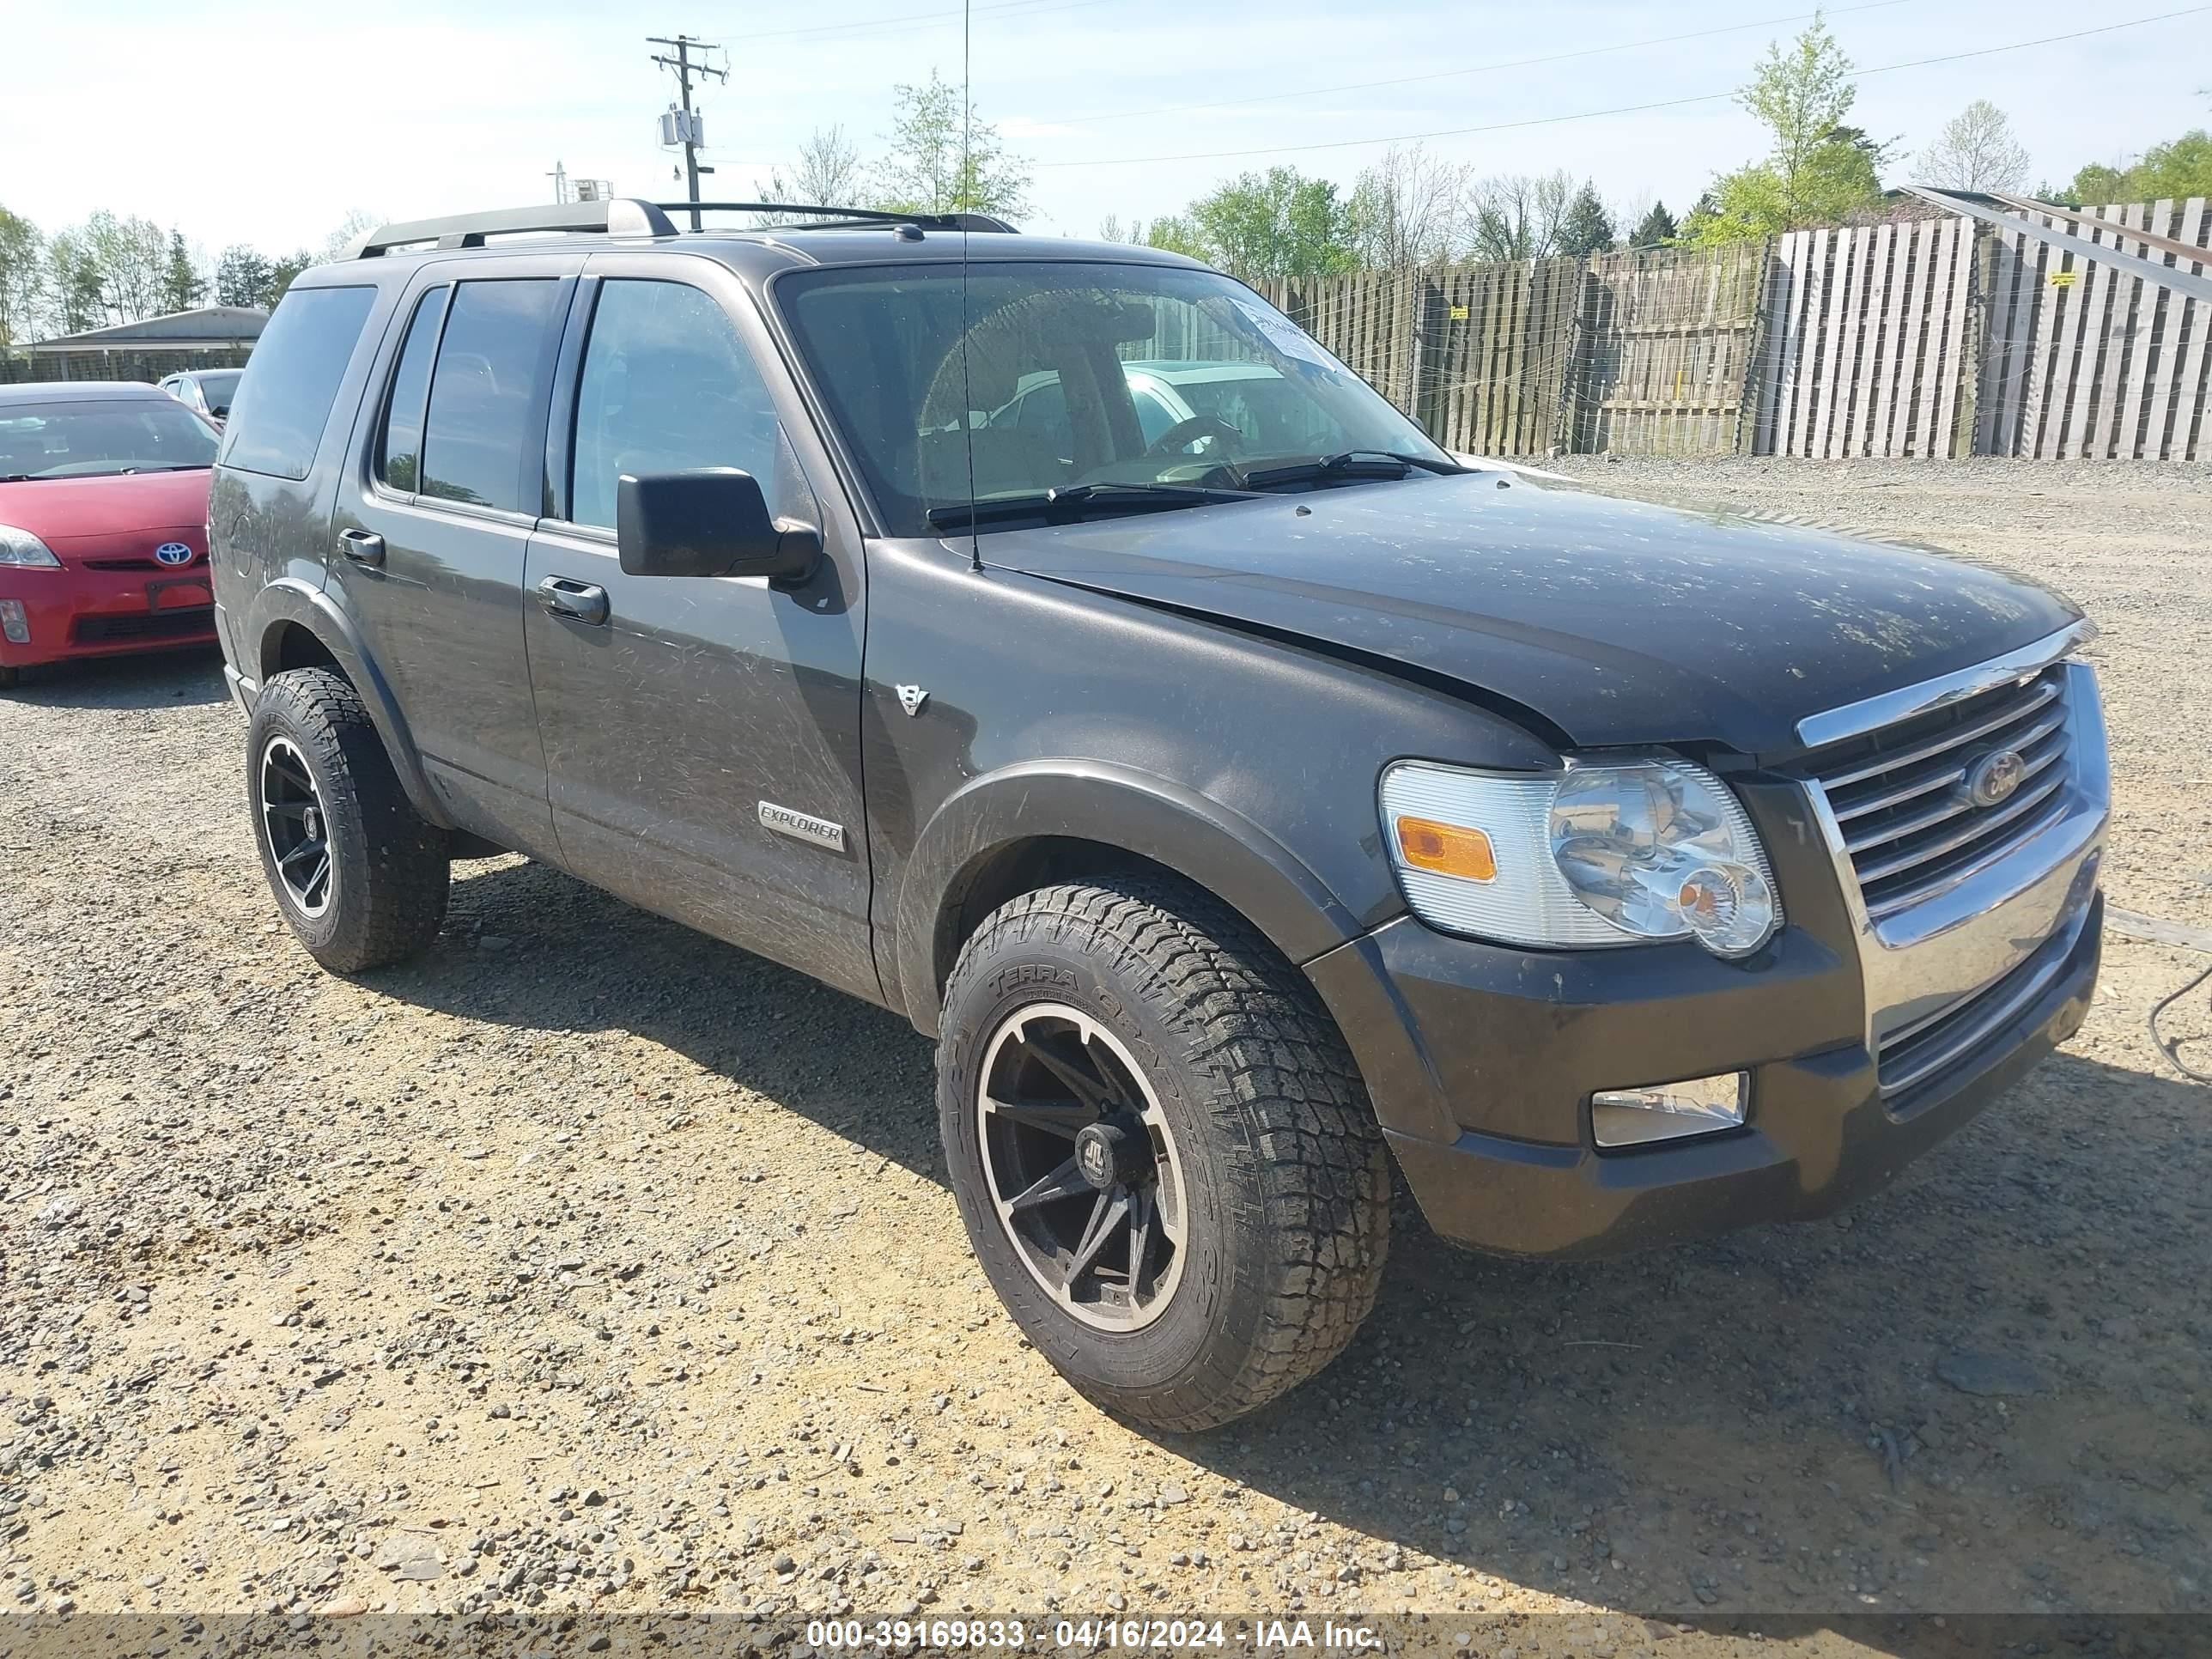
1066, 502
1345, 464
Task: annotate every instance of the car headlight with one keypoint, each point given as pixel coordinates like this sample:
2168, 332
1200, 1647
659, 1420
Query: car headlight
22, 547
1597, 855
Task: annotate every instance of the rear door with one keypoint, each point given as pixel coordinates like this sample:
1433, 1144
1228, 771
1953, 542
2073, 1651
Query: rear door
674, 709
433, 529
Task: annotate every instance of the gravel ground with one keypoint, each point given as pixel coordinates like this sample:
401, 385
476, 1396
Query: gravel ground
590, 1264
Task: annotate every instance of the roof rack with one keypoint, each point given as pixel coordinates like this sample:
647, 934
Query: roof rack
623, 215
977, 221
619, 216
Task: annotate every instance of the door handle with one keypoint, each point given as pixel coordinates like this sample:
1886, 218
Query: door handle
583, 602
362, 547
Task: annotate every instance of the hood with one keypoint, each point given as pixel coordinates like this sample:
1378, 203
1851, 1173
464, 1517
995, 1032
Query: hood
89, 510
1617, 622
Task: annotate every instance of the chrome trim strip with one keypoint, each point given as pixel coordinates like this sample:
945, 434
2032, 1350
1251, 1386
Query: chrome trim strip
2021, 742
1944, 742
1855, 720
1991, 820
1975, 1019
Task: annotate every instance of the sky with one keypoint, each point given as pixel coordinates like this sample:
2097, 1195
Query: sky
268, 123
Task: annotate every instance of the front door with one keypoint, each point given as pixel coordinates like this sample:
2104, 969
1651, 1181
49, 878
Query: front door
702, 734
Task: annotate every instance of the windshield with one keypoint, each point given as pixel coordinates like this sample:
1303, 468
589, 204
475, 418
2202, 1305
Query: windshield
218, 386
1074, 375
82, 440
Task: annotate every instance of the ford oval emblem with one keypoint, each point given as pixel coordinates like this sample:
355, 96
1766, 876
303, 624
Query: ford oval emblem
173, 553
1992, 779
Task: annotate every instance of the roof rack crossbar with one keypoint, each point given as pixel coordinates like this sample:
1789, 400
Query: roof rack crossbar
618, 217
976, 221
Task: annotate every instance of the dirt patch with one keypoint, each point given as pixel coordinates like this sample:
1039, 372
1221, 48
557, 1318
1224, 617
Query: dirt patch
589, 1263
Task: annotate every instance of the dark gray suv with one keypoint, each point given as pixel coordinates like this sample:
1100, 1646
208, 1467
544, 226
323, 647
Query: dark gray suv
1053, 644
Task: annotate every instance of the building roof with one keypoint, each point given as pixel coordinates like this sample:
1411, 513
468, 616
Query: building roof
77, 392
208, 328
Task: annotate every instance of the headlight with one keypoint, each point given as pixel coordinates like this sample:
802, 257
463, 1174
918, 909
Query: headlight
22, 547
1595, 855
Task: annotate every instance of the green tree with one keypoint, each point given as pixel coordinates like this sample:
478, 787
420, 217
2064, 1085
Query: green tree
1176, 234
74, 282
283, 273
182, 285
1276, 223
1654, 229
2179, 169
934, 166
1817, 169
1588, 228
22, 278
828, 172
242, 276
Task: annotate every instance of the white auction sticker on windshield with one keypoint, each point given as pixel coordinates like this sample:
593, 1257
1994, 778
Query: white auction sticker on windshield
1285, 336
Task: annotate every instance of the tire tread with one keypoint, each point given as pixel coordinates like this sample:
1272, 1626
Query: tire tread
1260, 1032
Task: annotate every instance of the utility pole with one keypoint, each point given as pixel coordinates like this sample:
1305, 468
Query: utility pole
687, 129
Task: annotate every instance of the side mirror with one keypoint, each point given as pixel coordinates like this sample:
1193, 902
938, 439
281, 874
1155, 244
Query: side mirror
219, 411
708, 521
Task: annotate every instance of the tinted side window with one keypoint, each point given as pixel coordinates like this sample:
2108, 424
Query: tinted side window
399, 446
667, 385
493, 364
283, 405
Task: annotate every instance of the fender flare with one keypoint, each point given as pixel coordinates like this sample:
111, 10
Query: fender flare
1199, 838
289, 601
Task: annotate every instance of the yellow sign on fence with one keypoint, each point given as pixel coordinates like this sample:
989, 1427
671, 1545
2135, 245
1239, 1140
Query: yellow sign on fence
2063, 278
1459, 313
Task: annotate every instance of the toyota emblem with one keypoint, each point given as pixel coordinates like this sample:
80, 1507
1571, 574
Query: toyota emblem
172, 553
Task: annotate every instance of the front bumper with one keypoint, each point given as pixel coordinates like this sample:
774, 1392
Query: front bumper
1866, 1040
1820, 1132
78, 612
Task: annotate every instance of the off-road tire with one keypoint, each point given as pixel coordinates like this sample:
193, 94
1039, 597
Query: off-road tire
391, 871
1287, 1175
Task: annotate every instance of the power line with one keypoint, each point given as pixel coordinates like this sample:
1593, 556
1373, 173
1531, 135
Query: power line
1475, 69
1623, 109
908, 20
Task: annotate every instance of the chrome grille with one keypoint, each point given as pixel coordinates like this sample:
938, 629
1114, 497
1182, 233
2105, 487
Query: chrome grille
1915, 1053
1898, 794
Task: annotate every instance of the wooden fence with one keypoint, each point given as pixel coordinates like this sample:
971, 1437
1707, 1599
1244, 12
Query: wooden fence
1644, 352
1941, 336
2084, 359
18, 368
1927, 337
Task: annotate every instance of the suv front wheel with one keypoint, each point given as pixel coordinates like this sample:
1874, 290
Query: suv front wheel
359, 875
1164, 1156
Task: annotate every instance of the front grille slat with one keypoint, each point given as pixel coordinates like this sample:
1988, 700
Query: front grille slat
1921, 1050
1988, 720
1899, 786
1896, 798
1929, 816
181, 622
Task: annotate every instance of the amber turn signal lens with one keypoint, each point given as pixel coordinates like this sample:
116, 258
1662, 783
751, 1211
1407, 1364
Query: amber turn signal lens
1449, 849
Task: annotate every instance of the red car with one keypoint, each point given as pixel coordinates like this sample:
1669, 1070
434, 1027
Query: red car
103, 523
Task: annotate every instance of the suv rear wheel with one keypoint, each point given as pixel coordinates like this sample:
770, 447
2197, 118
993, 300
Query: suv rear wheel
1164, 1156
359, 875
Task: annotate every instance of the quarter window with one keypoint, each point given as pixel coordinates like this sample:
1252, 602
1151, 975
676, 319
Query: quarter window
667, 384
480, 442
277, 423
399, 447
